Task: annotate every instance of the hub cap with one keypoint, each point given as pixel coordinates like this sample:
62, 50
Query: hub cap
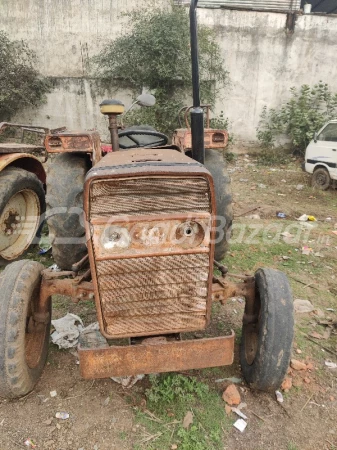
19, 222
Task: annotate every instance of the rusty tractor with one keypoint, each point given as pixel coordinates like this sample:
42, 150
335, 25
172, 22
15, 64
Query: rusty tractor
148, 265
22, 194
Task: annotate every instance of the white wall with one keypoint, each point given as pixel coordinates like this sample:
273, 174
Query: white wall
263, 58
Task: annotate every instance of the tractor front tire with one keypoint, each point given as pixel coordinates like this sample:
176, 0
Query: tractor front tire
22, 203
215, 163
23, 342
266, 343
65, 217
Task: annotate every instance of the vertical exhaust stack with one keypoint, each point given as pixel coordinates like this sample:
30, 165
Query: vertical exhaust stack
197, 113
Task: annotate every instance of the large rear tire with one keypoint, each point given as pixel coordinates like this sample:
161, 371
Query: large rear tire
22, 203
215, 163
65, 219
266, 342
23, 342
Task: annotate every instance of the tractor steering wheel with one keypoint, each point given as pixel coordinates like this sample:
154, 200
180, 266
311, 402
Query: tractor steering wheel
131, 134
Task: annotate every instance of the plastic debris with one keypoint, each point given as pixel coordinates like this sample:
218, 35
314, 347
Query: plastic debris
279, 396
303, 218
302, 306
306, 250
242, 405
306, 218
286, 234
253, 217
55, 268
330, 309
128, 382
330, 364
62, 415
239, 413
66, 332
240, 425
231, 379
30, 443
44, 245
281, 215
43, 251
53, 393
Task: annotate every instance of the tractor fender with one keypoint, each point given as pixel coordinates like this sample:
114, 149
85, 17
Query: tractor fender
24, 161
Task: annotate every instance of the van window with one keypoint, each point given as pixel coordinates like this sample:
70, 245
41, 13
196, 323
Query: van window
329, 133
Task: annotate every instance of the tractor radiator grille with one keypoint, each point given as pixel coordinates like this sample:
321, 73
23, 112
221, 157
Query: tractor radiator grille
142, 293
145, 196
141, 296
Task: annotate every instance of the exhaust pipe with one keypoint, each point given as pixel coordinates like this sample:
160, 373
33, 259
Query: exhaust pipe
197, 113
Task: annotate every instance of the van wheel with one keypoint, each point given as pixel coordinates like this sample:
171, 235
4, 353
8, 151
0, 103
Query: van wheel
321, 179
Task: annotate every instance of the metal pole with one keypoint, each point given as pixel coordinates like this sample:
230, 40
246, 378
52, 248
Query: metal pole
197, 113
113, 128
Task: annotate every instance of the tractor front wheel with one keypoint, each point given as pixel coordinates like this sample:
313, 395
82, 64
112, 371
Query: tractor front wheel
24, 340
267, 332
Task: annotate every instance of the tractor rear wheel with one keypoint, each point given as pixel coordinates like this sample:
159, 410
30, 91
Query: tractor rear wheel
215, 163
267, 337
23, 341
65, 219
22, 203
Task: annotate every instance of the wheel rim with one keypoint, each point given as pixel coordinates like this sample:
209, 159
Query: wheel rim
252, 333
35, 334
321, 179
19, 223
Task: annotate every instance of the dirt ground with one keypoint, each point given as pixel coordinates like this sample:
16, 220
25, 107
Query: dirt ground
102, 413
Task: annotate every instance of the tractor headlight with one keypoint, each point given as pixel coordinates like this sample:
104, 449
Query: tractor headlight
116, 238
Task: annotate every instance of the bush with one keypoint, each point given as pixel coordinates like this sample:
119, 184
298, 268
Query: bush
155, 54
20, 83
304, 114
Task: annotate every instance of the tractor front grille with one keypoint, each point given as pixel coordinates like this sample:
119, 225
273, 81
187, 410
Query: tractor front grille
151, 290
152, 294
144, 196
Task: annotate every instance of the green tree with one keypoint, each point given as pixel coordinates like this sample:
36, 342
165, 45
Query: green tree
298, 119
154, 54
20, 83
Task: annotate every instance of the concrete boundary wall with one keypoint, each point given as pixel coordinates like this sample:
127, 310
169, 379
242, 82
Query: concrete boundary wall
264, 58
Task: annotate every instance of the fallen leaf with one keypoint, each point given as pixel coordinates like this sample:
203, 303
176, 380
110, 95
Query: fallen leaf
188, 420
316, 335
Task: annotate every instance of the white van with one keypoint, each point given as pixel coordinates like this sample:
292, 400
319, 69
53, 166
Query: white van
321, 156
